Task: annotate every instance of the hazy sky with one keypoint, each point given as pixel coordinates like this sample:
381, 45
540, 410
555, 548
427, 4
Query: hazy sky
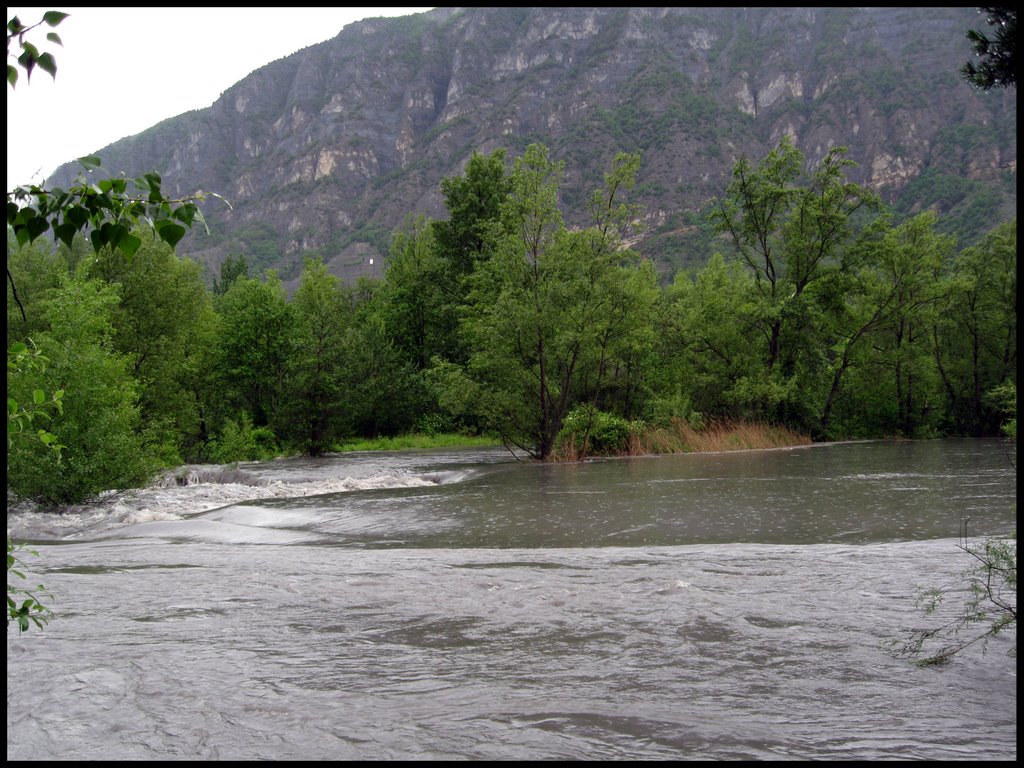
123, 70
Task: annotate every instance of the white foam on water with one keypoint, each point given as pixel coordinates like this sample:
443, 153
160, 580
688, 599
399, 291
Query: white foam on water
169, 499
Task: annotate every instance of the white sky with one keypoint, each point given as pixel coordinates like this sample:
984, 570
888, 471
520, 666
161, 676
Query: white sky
123, 70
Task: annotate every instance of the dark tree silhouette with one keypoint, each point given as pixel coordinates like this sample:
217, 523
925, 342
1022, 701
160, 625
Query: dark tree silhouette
995, 66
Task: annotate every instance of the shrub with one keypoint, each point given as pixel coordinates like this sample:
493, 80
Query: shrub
587, 431
241, 441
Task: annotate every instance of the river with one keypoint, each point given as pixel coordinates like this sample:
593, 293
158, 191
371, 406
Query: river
466, 605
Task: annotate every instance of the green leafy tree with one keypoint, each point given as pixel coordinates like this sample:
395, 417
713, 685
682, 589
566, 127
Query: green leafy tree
996, 66
162, 325
421, 314
37, 269
99, 421
322, 314
887, 308
551, 311
474, 202
794, 232
975, 334
384, 391
707, 343
255, 341
231, 268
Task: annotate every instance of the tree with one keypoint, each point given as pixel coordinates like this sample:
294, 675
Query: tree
889, 299
99, 420
231, 268
707, 343
975, 336
384, 391
322, 314
552, 314
989, 592
255, 340
474, 203
996, 66
794, 232
420, 310
161, 323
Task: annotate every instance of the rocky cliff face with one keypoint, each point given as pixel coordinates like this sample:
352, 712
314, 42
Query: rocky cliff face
326, 151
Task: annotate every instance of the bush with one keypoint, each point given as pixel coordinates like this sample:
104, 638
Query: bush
587, 431
241, 441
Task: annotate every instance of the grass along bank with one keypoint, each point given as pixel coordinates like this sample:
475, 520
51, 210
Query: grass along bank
599, 434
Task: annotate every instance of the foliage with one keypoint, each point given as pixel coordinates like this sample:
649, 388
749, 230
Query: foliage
996, 67
107, 209
554, 317
231, 268
24, 605
587, 431
241, 441
975, 333
420, 295
793, 231
253, 355
322, 314
473, 201
99, 422
23, 361
1004, 399
385, 393
31, 57
989, 593
164, 325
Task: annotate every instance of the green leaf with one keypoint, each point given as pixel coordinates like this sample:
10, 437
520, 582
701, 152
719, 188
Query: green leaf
78, 216
47, 63
38, 396
129, 245
170, 233
12, 75
53, 18
53, 37
65, 233
36, 227
91, 162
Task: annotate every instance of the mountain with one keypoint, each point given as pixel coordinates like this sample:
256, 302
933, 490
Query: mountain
328, 150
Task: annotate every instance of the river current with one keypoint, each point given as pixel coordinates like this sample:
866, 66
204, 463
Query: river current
467, 605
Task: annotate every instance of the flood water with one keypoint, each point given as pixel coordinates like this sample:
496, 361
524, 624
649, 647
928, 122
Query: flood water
464, 605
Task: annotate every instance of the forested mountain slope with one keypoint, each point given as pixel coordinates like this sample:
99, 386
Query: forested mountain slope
326, 151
